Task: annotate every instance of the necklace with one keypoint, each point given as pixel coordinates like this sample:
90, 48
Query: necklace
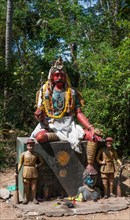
58, 99
48, 106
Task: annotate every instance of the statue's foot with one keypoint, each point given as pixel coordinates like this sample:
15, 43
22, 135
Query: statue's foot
106, 196
25, 201
35, 201
112, 195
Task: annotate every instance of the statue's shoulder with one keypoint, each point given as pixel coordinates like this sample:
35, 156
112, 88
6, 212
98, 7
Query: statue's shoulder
40, 93
78, 94
44, 86
36, 154
102, 149
73, 91
113, 150
23, 154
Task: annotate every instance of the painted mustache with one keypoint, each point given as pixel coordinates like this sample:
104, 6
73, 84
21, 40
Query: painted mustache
59, 80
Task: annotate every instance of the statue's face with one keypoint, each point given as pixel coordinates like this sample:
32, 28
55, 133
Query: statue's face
30, 147
90, 180
109, 144
59, 78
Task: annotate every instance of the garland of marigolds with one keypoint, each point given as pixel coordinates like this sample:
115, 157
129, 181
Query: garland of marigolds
47, 103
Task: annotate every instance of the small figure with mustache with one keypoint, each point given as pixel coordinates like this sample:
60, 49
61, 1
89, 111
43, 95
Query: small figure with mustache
105, 157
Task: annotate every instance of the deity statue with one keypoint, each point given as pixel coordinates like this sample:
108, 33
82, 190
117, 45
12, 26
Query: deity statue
57, 104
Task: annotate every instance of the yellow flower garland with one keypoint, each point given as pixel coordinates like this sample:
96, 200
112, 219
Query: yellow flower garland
45, 104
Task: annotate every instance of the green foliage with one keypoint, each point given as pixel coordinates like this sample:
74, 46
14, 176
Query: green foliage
108, 99
7, 160
8, 137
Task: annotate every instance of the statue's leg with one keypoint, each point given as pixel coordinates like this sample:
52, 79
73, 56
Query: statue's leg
44, 136
91, 149
41, 136
111, 182
95, 196
52, 137
91, 152
105, 184
85, 195
34, 188
26, 190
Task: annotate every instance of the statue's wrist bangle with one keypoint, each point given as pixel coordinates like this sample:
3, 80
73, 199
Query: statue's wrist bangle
90, 127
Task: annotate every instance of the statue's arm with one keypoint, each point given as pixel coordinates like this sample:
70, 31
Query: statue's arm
21, 162
39, 114
40, 160
99, 161
84, 120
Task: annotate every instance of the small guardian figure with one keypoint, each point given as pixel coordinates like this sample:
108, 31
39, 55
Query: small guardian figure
30, 160
88, 191
105, 157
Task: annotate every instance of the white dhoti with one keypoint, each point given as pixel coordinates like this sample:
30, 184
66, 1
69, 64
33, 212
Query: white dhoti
67, 130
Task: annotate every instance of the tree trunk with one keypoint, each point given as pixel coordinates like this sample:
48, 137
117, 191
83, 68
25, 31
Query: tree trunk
8, 39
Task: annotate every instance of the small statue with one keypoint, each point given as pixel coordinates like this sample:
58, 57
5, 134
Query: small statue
88, 191
57, 104
30, 161
105, 157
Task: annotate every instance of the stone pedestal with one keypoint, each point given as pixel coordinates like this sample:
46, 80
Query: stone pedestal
62, 170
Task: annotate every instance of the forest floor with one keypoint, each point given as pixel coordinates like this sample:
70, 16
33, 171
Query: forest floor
10, 212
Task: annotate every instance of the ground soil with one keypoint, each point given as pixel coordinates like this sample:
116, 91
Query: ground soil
8, 212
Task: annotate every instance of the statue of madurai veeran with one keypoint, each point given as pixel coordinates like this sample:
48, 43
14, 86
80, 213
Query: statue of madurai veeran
57, 104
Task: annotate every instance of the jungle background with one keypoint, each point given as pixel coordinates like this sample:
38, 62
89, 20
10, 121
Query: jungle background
93, 38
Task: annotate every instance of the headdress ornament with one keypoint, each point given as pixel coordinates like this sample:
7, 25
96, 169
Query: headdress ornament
57, 66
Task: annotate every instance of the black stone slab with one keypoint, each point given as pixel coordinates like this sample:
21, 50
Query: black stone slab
65, 163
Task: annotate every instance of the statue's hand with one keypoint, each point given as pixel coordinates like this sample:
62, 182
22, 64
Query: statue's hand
39, 115
98, 132
97, 136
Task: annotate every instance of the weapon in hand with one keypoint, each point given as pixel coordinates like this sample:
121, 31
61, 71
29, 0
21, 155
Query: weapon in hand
120, 179
16, 195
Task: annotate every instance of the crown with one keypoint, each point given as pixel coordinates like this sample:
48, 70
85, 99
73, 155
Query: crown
58, 65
